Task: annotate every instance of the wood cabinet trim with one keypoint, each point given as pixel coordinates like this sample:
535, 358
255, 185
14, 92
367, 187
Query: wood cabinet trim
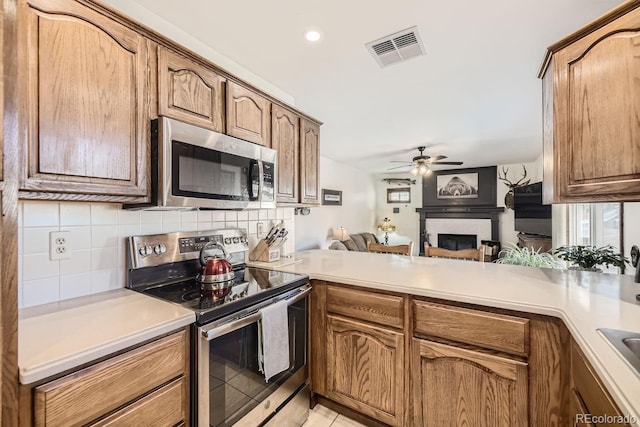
490, 330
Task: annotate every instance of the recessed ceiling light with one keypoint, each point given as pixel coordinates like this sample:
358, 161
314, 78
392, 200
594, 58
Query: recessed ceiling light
312, 36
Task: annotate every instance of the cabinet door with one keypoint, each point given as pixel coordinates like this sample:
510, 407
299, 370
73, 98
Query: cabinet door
578, 411
365, 369
454, 386
87, 102
285, 139
597, 102
248, 115
189, 91
309, 162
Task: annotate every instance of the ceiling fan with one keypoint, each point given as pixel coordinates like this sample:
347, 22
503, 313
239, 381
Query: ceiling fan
421, 163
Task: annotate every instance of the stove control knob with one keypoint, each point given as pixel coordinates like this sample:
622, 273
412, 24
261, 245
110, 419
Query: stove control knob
236, 240
227, 240
243, 239
159, 249
145, 250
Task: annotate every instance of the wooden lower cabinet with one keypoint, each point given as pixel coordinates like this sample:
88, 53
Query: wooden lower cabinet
148, 385
459, 387
589, 399
365, 368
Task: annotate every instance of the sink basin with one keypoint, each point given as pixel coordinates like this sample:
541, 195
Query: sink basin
627, 344
633, 344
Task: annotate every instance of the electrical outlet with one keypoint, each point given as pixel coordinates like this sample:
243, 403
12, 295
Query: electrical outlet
260, 229
59, 245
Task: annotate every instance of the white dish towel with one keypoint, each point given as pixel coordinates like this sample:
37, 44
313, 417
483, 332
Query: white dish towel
273, 339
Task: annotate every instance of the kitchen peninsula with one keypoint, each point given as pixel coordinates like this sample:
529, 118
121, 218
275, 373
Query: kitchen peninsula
523, 332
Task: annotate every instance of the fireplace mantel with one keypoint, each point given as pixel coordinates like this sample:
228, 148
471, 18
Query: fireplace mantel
459, 212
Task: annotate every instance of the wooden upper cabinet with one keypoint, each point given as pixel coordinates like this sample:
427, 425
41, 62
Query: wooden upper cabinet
454, 386
285, 139
87, 100
248, 115
365, 369
593, 104
309, 162
189, 92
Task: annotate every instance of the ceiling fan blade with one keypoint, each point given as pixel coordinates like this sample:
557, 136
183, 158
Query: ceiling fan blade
435, 158
399, 167
446, 163
398, 161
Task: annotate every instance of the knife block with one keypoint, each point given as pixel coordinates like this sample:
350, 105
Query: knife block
262, 252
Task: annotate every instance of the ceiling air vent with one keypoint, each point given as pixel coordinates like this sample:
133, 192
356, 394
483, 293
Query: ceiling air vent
396, 47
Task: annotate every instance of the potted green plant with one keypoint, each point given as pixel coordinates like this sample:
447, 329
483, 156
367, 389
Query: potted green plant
516, 255
588, 258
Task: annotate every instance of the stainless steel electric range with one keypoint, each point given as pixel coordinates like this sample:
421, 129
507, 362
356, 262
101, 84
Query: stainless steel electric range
227, 387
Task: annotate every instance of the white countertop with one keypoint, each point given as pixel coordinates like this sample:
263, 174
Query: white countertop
584, 301
55, 337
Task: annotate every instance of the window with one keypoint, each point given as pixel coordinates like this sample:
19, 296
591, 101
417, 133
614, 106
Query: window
595, 224
399, 195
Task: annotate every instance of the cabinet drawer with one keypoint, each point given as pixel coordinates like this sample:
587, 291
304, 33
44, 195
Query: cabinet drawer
92, 392
386, 310
490, 330
163, 407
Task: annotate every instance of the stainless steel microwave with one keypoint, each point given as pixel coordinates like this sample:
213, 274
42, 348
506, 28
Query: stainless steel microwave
193, 167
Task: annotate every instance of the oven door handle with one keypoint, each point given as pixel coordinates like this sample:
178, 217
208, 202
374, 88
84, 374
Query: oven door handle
218, 331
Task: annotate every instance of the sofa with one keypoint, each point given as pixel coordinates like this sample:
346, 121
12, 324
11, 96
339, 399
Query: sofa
356, 242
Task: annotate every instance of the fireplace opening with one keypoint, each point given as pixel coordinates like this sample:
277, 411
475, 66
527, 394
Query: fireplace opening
456, 242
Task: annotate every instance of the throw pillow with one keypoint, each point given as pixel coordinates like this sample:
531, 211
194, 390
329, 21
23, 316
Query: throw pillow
338, 246
359, 241
350, 245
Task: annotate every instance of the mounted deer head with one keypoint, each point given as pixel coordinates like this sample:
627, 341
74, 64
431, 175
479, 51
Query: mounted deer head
508, 198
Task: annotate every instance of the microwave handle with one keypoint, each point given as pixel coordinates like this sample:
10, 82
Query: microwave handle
218, 331
252, 175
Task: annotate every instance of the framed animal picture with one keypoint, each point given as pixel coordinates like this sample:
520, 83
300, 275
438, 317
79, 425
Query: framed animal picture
460, 187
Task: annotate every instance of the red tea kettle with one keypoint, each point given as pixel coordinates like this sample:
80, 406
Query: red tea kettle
216, 272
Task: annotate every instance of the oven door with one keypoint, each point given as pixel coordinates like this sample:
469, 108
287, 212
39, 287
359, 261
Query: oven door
231, 390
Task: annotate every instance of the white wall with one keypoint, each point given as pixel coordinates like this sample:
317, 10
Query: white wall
356, 214
97, 243
407, 220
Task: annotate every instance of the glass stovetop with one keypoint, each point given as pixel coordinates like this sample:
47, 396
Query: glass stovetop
252, 285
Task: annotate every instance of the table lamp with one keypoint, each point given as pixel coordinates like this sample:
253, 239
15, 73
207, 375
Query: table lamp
341, 234
386, 226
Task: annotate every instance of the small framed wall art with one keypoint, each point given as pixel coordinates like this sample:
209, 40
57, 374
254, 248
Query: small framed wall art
399, 195
331, 197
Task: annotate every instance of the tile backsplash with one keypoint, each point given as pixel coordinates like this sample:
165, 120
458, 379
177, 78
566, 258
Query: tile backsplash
97, 243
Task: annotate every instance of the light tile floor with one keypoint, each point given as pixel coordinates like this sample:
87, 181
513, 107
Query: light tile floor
322, 416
